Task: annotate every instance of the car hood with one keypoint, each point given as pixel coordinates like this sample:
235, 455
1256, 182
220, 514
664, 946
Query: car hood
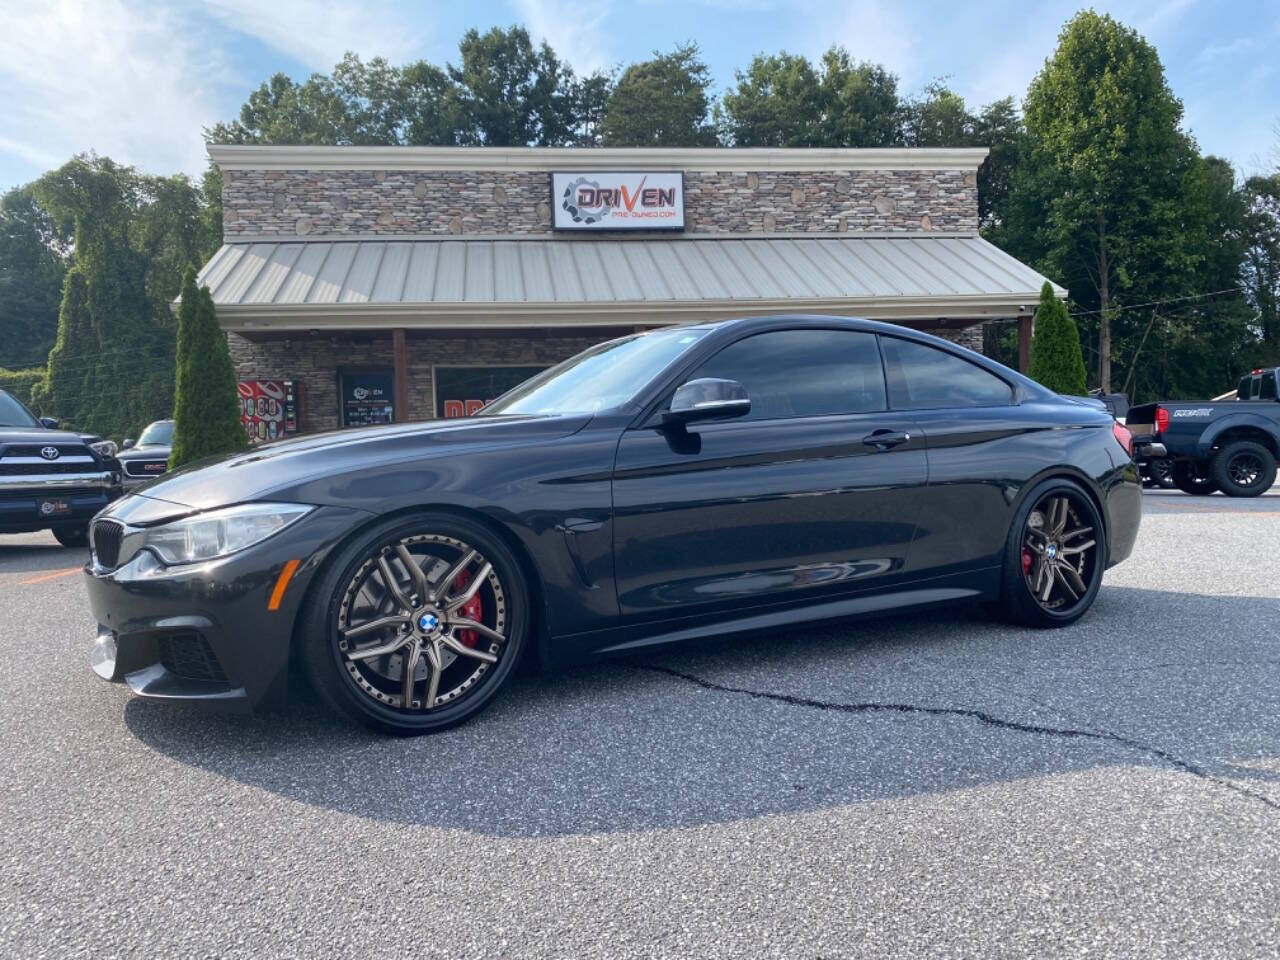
257, 473
38, 435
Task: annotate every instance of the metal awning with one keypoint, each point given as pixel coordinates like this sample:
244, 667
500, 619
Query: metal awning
454, 282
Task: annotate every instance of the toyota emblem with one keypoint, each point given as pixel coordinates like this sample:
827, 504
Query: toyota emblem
49, 453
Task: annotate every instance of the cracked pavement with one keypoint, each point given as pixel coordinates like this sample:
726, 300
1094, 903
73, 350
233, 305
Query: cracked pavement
926, 785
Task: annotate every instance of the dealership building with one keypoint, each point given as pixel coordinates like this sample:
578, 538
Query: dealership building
372, 284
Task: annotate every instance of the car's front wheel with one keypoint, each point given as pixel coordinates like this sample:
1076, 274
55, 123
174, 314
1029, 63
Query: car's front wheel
416, 624
1054, 556
72, 536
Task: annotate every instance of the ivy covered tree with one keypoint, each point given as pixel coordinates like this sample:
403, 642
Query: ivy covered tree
110, 370
207, 407
1056, 360
33, 260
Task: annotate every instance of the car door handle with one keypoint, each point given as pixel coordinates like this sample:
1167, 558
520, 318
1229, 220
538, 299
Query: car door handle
886, 439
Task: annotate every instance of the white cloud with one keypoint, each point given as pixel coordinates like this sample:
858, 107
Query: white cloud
132, 82
319, 32
877, 30
575, 30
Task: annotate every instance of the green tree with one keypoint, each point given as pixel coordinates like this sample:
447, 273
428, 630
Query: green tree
33, 261
206, 406
860, 103
1056, 360
111, 367
776, 103
1105, 178
1261, 260
661, 102
511, 93
783, 100
937, 118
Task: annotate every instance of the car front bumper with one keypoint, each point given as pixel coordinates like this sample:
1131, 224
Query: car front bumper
203, 633
23, 497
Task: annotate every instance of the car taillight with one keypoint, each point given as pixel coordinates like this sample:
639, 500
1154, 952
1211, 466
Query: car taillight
1162, 419
1123, 436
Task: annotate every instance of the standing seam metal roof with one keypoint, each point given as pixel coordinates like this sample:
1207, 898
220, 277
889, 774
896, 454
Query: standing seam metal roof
599, 270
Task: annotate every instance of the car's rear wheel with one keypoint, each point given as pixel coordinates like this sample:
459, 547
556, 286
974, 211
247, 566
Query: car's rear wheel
1243, 468
72, 536
1192, 476
417, 624
1054, 557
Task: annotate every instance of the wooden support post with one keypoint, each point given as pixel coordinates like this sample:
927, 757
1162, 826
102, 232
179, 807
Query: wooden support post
1024, 343
400, 364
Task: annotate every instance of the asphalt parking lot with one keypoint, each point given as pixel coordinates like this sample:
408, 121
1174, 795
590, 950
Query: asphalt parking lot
932, 785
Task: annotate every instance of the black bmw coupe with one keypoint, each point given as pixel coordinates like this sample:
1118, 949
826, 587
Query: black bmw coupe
683, 483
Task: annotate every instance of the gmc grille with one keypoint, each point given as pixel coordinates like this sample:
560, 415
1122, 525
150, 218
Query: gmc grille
145, 468
107, 535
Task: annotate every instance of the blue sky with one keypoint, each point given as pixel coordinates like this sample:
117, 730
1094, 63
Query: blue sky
138, 79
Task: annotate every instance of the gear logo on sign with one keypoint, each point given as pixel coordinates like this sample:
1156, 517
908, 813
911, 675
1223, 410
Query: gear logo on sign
581, 214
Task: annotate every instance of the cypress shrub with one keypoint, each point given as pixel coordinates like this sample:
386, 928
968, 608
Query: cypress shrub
1056, 359
207, 407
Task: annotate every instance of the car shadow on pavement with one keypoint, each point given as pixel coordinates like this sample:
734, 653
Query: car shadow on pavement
803, 720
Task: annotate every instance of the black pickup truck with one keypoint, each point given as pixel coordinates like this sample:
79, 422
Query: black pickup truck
51, 479
1227, 445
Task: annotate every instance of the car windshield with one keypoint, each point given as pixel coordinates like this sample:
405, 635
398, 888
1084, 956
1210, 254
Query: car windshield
600, 378
14, 414
159, 433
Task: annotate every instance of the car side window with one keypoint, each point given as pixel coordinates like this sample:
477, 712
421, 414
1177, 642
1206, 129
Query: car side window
803, 373
1267, 390
922, 377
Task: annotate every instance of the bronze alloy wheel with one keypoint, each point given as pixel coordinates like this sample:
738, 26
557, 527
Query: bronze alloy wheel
1060, 552
421, 622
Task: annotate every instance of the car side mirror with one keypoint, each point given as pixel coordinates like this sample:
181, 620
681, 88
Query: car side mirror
707, 399
49, 423
126, 443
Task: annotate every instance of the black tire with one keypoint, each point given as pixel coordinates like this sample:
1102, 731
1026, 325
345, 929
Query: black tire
77, 536
350, 685
1193, 477
1243, 468
1066, 604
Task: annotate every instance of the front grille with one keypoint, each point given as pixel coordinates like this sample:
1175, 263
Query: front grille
189, 656
33, 449
45, 468
145, 468
107, 535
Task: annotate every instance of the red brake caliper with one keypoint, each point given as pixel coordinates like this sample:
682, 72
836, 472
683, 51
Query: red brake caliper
471, 610
1026, 560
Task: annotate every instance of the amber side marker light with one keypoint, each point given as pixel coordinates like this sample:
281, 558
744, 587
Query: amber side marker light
282, 581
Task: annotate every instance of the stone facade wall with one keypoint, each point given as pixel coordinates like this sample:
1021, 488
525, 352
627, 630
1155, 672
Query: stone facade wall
316, 362
290, 203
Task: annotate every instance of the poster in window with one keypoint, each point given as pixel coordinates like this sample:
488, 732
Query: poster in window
367, 397
461, 391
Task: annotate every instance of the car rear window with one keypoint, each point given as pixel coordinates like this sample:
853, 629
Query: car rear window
923, 377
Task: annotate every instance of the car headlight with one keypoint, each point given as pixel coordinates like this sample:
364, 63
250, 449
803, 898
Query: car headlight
217, 533
105, 448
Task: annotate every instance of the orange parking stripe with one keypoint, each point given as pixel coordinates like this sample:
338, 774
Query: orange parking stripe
50, 576
281, 582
